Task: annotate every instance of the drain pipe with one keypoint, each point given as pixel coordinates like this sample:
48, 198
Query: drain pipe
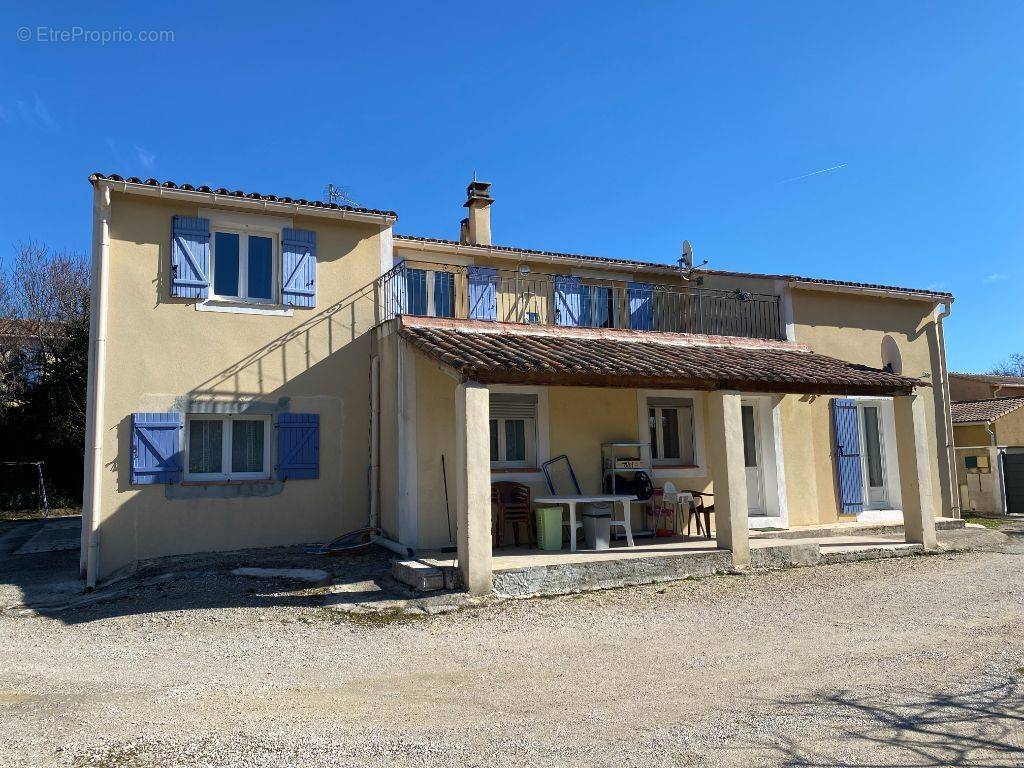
947, 411
97, 380
375, 442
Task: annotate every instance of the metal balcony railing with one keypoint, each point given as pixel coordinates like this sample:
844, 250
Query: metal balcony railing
509, 296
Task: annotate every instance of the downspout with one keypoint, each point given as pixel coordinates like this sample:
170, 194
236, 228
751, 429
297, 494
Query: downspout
375, 441
947, 411
998, 454
97, 383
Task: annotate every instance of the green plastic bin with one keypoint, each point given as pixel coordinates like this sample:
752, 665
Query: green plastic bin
549, 527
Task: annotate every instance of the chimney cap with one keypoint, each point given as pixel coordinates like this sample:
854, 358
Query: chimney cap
478, 191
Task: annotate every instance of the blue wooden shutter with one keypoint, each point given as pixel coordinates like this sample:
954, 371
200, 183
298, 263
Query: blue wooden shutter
298, 446
156, 448
298, 267
190, 257
416, 291
483, 293
641, 306
568, 300
847, 444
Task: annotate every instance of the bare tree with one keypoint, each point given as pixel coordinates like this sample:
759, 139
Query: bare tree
42, 295
1011, 366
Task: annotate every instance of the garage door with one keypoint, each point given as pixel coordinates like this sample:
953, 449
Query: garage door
1013, 469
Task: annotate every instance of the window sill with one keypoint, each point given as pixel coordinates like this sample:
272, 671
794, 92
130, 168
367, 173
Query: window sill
243, 308
675, 466
205, 483
514, 470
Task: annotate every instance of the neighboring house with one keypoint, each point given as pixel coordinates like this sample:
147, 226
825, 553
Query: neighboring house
273, 371
989, 439
983, 386
25, 350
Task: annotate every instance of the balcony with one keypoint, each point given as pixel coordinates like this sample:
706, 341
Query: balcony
511, 296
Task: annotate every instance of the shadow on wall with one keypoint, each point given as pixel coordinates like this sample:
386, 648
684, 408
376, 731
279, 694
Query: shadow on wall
980, 726
321, 364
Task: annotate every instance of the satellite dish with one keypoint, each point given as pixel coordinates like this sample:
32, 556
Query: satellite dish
687, 258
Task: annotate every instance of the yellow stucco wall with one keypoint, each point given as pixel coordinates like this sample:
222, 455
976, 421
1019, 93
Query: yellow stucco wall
851, 327
164, 355
1010, 429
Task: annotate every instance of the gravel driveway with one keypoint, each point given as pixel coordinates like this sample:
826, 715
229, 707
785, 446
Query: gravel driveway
917, 661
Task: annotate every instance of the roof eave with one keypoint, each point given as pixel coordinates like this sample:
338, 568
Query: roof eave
383, 220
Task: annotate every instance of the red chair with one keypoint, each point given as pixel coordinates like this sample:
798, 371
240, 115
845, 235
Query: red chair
511, 503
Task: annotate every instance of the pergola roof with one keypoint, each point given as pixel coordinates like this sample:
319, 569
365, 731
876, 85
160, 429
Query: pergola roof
498, 353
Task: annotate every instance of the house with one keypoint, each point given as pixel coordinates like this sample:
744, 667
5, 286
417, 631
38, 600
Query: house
267, 370
989, 438
983, 386
988, 432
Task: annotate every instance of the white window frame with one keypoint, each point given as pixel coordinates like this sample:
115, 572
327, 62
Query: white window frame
530, 436
670, 471
663, 460
228, 418
542, 449
243, 264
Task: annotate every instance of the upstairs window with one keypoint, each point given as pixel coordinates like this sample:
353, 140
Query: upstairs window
243, 266
670, 421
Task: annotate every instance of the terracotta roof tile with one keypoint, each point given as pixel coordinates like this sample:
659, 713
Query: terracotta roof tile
493, 353
970, 411
632, 264
240, 193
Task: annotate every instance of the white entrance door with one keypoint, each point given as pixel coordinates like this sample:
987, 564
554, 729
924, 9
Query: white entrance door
752, 457
872, 451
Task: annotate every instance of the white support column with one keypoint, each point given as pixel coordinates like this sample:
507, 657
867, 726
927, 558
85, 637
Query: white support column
729, 474
915, 462
473, 485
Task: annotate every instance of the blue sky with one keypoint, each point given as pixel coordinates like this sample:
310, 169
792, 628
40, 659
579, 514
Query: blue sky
609, 129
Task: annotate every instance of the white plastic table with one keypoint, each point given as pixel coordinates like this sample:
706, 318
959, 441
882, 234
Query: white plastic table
572, 501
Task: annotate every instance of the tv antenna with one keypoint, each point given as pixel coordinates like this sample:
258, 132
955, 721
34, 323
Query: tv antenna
339, 196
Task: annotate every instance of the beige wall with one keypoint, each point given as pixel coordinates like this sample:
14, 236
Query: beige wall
851, 327
1010, 429
164, 355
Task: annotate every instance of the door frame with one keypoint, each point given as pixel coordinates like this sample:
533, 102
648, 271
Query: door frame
868, 505
768, 421
890, 463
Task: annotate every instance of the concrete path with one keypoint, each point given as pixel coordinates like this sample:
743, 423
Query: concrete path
54, 535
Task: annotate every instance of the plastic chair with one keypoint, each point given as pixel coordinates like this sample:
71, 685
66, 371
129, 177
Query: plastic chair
514, 505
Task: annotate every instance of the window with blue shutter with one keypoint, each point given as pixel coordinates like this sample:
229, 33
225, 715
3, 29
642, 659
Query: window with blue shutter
190, 257
847, 449
156, 448
483, 293
568, 300
298, 446
298, 267
444, 294
641, 306
597, 303
416, 291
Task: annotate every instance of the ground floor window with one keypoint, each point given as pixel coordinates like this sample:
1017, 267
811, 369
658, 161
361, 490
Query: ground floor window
219, 447
513, 428
670, 421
